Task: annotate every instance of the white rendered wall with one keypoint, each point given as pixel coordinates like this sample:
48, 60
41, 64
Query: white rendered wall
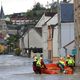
35, 40
67, 33
55, 42
45, 41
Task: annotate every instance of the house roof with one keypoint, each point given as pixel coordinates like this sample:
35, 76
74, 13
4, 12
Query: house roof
53, 20
45, 18
1, 13
67, 12
18, 16
37, 29
67, 15
42, 20
51, 14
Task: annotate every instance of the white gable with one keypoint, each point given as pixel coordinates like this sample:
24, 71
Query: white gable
42, 20
53, 20
35, 40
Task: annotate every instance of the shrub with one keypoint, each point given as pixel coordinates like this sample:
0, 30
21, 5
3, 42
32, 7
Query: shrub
17, 51
2, 49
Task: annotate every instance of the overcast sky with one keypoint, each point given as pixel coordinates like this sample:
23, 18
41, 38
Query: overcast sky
14, 6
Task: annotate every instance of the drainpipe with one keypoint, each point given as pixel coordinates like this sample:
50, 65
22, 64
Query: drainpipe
65, 51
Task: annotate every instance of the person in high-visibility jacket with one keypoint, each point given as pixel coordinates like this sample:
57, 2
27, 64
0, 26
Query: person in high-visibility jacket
43, 66
70, 61
34, 64
38, 66
61, 64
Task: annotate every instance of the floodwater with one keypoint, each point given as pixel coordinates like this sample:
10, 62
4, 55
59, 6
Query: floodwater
20, 68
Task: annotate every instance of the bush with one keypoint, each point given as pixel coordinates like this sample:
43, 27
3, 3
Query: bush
2, 49
17, 51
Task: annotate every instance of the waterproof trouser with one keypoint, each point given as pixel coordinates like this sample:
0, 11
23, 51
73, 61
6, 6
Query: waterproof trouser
38, 70
35, 67
61, 66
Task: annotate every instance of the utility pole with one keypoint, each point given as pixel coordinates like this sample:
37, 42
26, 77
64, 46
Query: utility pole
28, 51
59, 25
28, 39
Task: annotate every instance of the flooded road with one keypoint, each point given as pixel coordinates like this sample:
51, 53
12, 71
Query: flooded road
20, 68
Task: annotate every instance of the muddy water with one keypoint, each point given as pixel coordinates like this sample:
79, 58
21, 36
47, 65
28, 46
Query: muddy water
20, 68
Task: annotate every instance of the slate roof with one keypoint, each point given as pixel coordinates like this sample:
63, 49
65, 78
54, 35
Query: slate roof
67, 12
1, 13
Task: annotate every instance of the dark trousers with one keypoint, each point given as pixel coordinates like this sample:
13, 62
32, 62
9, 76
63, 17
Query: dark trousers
70, 65
61, 66
38, 69
34, 67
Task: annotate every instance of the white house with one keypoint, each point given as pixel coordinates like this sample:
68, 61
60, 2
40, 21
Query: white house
67, 26
35, 39
38, 36
49, 19
67, 31
33, 36
45, 34
31, 39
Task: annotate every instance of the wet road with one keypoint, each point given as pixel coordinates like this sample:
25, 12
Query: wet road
20, 68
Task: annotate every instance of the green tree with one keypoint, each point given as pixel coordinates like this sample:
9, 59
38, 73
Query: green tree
38, 6
36, 12
54, 7
12, 40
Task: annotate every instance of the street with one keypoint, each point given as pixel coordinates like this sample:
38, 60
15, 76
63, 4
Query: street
20, 68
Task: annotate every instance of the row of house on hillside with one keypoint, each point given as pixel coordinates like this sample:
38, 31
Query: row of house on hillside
45, 34
19, 18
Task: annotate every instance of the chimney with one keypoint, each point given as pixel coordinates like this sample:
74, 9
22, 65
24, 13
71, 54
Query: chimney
65, 1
